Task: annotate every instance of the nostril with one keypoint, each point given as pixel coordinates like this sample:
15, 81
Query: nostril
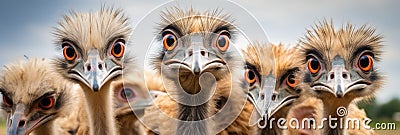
89, 67
190, 53
100, 67
332, 76
345, 76
203, 53
21, 123
273, 97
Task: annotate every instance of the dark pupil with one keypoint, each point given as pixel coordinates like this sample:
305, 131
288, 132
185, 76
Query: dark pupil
46, 102
251, 75
314, 64
70, 51
291, 79
7, 100
117, 48
127, 93
170, 41
221, 41
364, 61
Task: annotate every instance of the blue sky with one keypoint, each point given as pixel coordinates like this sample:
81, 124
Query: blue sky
25, 26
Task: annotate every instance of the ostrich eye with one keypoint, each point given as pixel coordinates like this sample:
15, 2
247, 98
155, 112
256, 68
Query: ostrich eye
250, 76
169, 42
127, 94
7, 101
47, 103
292, 81
365, 63
313, 65
69, 52
223, 42
118, 48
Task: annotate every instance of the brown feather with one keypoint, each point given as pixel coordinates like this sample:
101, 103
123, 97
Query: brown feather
347, 43
24, 82
278, 60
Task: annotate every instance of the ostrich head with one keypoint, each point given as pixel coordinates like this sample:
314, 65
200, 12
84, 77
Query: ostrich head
33, 96
341, 64
272, 76
93, 46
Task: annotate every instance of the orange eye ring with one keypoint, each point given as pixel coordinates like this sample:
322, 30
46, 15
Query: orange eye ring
313, 65
223, 42
47, 103
7, 101
69, 53
250, 76
365, 63
169, 42
118, 49
292, 81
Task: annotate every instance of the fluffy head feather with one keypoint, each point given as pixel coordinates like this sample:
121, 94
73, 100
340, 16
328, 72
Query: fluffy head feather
192, 21
286, 59
345, 41
187, 22
93, 29
261, 57
341, 65
280, 63
30, 84
94, 53
194, 60
276, 58
26, 81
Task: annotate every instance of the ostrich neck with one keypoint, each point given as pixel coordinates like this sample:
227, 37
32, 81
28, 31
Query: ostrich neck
100, 110
337, 121
192, 116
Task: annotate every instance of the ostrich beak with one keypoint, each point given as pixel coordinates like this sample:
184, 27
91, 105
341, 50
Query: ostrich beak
262, 99
338, 78
20, 124
279, 100
139, 106
199, 58
96, 72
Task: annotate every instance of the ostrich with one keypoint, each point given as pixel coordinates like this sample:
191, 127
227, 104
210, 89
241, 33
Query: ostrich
130, 90
340, 67
271, 73
93, 45
33, 97
197, 57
